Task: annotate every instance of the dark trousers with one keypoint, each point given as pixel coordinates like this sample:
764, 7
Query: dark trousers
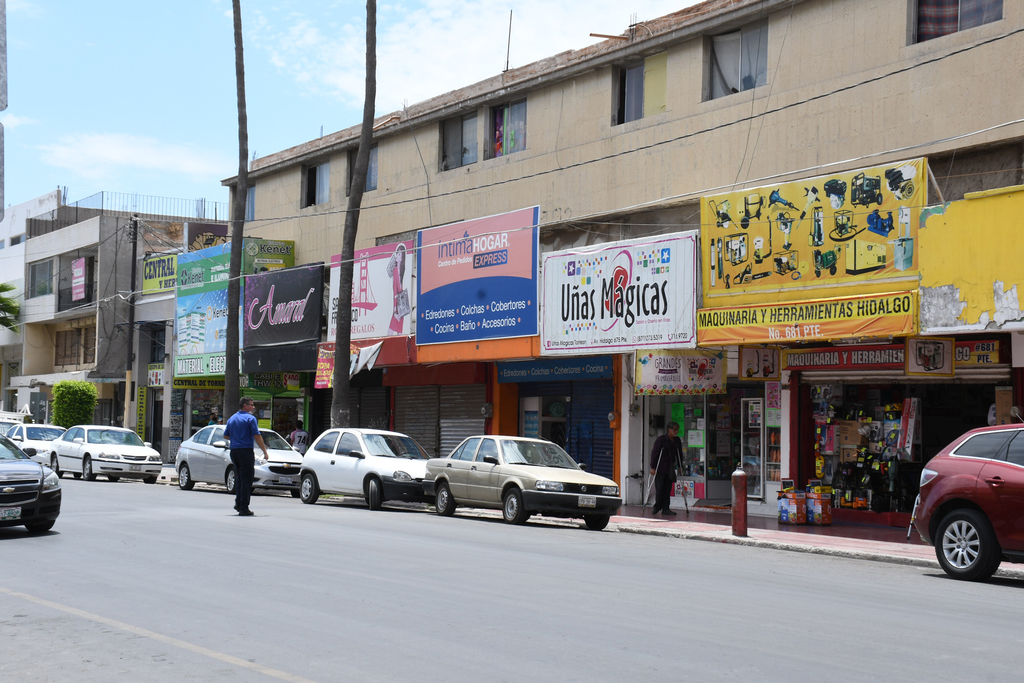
244, 460
662, 489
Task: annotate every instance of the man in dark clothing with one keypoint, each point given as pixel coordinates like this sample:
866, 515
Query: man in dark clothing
242, 430
665, 458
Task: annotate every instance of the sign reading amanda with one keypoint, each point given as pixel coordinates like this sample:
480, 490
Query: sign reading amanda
874, 315
283, 306
478, 279
624, 295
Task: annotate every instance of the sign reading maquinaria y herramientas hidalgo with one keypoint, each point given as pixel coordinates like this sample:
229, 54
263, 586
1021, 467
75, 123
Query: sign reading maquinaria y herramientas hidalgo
623, 295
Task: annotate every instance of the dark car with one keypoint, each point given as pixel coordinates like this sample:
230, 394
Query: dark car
29, 492
972, 502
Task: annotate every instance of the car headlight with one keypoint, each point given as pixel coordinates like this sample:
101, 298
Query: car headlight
549, 486
154, 458
402, 476
609, 490
51, 482
927, 475
108, 456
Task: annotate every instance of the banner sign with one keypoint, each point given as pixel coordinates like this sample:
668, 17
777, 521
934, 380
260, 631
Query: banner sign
867, 315
680, 372
555, 370
205, 235
985, 352
382, 293
360, 358
201, 311
845, 227
260, 255
159, 273
283, 306
930, 356
760, 362
271, 382
205, 383
140, 413
78, 279
873, 357
478, 279
623, 295
155, 374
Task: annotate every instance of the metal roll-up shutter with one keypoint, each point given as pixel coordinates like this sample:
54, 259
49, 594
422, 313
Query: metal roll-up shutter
373, 408
320, 412
353, 406
460, 414
416, 414
544, 389
590, 436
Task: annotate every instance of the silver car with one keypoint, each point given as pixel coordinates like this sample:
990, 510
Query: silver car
206, 457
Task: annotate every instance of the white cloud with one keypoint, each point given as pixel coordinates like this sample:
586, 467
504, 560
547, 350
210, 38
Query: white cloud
100, 156
436, 46
11, 121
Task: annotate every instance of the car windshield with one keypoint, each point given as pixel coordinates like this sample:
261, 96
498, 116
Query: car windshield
114, 437
394, 446
43, 433
536, 453
274, 441
8, 451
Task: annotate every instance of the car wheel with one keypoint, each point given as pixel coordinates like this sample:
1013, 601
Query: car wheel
40, 527
596, 522
966, 547
374, 495
87, 472
309, 490
149, 480
185, 482
512, 507
230, 480
55, 466
113, 478
444, 503
295, 493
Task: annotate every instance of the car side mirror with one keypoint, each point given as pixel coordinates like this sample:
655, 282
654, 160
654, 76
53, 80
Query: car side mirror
17, 437
582, 466
357, 454
490, 459
147, 444
29, 451
220, 444
79, 439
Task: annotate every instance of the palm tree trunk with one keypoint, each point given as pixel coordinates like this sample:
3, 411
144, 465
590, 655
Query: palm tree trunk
340, 414
231, 370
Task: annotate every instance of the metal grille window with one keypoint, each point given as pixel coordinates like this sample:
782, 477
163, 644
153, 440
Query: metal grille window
458, 142
66, 347
40, 279
508, 127
739, 60
88, 339
157, 342
318, 185
937, 18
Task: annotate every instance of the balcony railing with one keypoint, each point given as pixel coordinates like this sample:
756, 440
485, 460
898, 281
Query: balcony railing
125, 205
65, 301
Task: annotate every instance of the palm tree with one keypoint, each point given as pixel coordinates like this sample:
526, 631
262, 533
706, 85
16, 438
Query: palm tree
9, 307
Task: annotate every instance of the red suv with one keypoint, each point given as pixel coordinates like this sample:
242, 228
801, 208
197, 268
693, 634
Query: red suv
972, 502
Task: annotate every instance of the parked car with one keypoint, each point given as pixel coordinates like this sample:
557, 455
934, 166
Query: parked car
520, 477
971, 505
206, 457
38, 437
371, 463
7, 425
88, 450
29, 492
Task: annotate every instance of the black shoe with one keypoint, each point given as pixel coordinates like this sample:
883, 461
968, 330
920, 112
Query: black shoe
245, 512
237, 509
669, 513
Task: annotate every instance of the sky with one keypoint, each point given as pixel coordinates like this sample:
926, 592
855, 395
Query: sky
138, 96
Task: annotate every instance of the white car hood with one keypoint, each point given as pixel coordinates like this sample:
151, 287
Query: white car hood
283, 455
120, 449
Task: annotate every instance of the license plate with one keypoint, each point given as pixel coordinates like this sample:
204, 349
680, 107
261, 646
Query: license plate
134, 468
588, 501
286, 480
10, 513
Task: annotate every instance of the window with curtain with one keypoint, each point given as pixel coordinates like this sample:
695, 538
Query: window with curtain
739, 60
458, 143
631, 93
509, 128
40, 279
318, 185
371, 170
936, 18
250, 203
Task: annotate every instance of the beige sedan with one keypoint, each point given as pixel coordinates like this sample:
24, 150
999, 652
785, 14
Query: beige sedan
520, 477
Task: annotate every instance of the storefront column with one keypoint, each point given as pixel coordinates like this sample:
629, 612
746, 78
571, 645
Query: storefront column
505, 402
631, 436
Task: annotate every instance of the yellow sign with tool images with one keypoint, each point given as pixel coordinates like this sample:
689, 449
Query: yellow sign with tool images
855, 226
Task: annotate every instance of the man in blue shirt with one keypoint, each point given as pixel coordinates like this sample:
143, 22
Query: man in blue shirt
242, 431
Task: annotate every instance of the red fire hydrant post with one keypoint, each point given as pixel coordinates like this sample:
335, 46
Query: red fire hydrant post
739, 501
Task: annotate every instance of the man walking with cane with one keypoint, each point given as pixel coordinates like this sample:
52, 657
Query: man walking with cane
665, 458
242, 430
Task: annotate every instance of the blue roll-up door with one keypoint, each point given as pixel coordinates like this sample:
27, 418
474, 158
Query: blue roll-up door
590, 436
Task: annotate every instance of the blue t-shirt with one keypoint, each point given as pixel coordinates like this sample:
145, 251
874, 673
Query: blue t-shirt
241, 428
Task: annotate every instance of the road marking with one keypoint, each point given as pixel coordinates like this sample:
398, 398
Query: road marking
259, 668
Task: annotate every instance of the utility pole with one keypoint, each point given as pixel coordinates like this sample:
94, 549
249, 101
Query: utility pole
133, 232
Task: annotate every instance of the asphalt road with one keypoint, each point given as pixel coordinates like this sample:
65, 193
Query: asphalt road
148, 583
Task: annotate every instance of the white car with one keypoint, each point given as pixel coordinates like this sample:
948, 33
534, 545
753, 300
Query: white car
206, 457
371, 463
114, 452
37, 437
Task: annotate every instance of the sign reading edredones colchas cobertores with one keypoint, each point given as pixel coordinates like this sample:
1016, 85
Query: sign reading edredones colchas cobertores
624, 295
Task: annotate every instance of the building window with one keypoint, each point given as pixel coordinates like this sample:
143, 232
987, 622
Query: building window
2, 244
640, 89
937, 18
40, 279
250, 203
508, 128
371, 169
89, 345
66, 347
17, 239
739, 60
318, 185
157, 342
458, 142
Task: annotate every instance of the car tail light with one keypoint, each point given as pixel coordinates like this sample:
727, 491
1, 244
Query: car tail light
927, 475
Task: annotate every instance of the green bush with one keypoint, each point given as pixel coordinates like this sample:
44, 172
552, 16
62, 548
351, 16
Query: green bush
73, 403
